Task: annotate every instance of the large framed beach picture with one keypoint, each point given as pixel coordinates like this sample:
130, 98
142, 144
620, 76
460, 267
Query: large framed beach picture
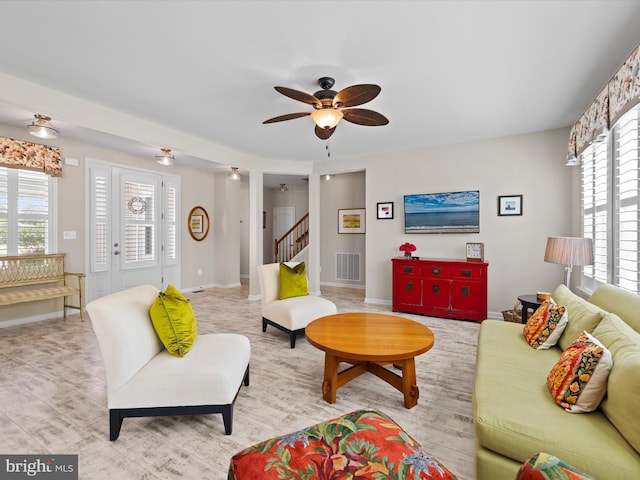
351, 220
448, 212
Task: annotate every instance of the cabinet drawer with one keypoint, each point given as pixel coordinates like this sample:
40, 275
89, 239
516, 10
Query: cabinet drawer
407, 269
436, 271
466, 271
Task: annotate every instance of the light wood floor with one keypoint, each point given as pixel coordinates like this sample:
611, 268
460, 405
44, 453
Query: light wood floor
53, 395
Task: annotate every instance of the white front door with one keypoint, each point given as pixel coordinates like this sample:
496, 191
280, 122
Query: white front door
132, 230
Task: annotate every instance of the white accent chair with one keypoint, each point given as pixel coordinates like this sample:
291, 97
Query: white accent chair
144, 380
290, 315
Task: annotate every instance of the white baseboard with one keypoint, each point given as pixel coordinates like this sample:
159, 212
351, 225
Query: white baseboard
342, 285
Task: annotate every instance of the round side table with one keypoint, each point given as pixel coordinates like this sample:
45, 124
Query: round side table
528, 302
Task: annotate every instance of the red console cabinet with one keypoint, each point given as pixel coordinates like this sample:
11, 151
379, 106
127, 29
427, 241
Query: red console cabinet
440, 288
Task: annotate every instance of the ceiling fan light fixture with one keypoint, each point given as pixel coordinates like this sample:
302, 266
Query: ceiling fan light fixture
166, 158
328, 176
326, 117
41, 129
283, 187
234, 174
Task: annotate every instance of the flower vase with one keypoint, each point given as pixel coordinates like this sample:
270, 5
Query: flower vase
407, 255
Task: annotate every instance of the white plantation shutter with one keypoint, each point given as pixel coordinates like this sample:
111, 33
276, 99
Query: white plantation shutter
626, 209
27, 212
611, 206
171, 223
100, 253
138, 212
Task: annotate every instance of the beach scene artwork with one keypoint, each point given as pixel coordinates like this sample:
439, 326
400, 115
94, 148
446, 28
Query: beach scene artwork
449, 212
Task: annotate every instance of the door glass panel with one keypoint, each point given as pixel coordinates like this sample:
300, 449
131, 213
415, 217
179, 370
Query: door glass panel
139, 226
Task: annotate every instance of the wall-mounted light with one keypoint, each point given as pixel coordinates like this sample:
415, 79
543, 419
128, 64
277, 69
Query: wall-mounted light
165, 158
234, 174
327, 177
283, 187
41, 128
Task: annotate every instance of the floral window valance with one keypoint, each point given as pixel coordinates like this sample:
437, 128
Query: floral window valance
30, 156
621, 93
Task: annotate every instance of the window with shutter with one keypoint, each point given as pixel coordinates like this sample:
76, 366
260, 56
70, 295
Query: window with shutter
611, 206
26, 212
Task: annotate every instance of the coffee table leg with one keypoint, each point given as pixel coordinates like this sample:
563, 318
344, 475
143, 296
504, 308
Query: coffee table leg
409, 383
330, 383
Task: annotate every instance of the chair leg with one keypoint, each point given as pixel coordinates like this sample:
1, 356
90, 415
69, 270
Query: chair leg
115, 422
227, 418
264, 324
292, 339
246, 378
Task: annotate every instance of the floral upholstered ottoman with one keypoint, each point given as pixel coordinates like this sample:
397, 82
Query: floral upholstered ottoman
365, 444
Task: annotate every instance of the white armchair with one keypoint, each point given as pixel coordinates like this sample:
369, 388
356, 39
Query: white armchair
290, 315
144, 380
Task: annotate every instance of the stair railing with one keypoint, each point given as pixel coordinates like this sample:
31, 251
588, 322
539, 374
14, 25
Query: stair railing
292, 242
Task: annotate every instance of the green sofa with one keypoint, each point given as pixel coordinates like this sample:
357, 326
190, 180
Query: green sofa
515, 415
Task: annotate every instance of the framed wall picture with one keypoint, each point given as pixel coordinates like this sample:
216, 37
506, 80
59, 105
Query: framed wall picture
509, 205
351, 220
198, 223
385, 210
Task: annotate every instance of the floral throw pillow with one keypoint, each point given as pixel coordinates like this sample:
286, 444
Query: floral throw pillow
365, 444
544, 328
578, 382
543, 466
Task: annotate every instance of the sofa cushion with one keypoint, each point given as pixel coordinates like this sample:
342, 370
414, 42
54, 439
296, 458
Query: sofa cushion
543, 466
619, 301
578, 381
293, 281
623, 390
583, 316
174, 321
544, 327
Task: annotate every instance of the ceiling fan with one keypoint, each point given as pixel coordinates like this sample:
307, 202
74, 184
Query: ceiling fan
331, 106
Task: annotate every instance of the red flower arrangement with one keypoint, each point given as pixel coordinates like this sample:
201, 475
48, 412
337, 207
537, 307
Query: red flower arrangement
407, 248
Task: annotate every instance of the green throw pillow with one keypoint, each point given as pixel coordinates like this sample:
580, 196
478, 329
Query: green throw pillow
583, 316
174, 321
292, 281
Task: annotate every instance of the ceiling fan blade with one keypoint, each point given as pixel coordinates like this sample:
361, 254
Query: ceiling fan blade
288, 116
324, 133
362, 116
300, 96
356, 95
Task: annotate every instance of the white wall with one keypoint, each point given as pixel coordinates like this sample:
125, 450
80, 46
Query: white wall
531, 165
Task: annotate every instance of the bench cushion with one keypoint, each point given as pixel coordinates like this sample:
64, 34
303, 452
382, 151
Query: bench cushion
364, 444
41, 293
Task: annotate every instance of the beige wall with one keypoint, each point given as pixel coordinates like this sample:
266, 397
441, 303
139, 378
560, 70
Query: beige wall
345, 190
531, 165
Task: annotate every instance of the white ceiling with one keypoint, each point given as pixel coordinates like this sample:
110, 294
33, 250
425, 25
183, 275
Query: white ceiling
450, 71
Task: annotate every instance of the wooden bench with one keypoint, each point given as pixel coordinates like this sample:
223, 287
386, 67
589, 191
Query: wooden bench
47, 276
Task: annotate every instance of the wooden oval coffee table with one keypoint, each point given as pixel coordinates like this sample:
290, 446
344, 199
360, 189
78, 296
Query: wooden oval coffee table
368, 341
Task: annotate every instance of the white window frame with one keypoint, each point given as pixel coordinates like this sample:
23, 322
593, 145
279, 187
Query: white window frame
12, 210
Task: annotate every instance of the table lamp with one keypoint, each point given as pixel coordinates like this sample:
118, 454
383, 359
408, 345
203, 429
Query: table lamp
569, 251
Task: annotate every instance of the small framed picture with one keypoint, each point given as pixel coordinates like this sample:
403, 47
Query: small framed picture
509, 205
385, 210
196, 224
351, 220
